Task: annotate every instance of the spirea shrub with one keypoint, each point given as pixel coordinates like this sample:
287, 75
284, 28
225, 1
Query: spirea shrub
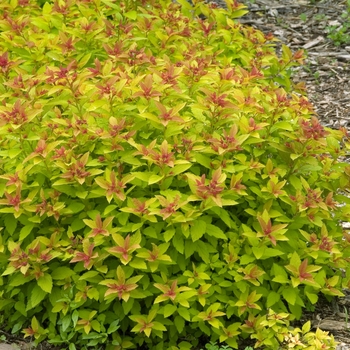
162, 183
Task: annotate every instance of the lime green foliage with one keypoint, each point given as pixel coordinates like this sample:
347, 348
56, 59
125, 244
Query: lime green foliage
162, 181
292, 338
214, 346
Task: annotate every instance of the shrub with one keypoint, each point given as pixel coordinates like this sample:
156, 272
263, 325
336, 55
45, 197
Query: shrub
162, 181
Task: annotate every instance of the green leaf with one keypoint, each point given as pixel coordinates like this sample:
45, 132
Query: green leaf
295, 260
25, 231
40, 23
61, 273
306, 327
66, 321
307, 168
281, 279
271, 252
169, 309
45, 283
203, 160
179, 169
185, 4
64, 188
36, 219
90, 276
76, 207
312, 297
280, 273
127, 306
137, 263
286, 53
84, 60
154, 179
19, 279
96, 105
295, 310
36, 297
223, 215
2, 186
246, 259
93, 293
184, 313
145, 176
77, 225
190, 248
290, 295
158, 326
204, 328
150, 232
7, 210
216, 232
284, 125
114, 326
20, 306
232, 342
225, 284
202, 250
295, 181
108, 209
35, 324
258, 252
111, 5
9, 270
131, 14
169, 234
123, 218
129, 159
13, 153
75, 317
47, 8
179, 323
238, 13
198, 229
10, 224
178, 243
272, 298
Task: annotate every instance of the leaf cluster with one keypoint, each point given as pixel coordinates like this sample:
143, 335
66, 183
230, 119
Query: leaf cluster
162, 180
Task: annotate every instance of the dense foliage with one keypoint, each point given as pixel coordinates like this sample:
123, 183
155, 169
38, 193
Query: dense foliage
162, 182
